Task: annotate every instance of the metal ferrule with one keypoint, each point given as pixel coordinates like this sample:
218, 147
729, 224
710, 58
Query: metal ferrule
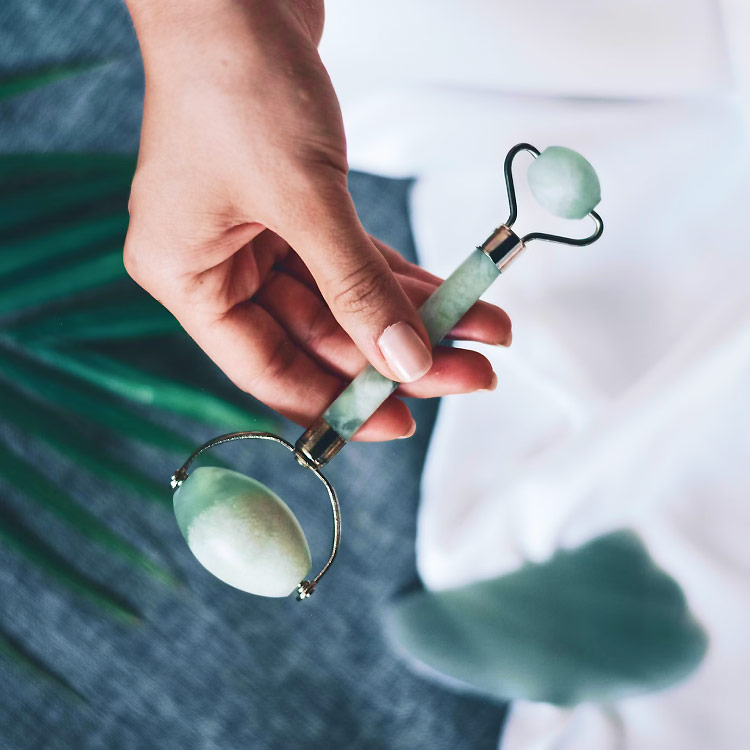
502, 246
319, 443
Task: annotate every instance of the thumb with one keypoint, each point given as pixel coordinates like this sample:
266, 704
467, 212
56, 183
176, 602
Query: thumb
358, 284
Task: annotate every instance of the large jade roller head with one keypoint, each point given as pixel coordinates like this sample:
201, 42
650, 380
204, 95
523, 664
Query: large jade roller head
245, 534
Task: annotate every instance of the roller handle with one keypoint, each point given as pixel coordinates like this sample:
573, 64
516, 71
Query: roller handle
440, 313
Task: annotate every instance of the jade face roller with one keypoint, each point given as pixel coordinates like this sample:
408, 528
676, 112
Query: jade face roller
244, 533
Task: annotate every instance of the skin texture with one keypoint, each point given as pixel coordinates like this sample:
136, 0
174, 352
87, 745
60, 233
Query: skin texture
242, 225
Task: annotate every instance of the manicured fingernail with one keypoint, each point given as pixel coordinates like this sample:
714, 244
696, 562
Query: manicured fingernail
412, 430
405, 352
508, 339
493, 383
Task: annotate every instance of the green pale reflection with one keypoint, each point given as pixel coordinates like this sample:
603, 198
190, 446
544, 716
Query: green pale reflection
597, 623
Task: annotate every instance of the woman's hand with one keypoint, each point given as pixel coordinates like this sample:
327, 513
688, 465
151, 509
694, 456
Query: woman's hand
241, 223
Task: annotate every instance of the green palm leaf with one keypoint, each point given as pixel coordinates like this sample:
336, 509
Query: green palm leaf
27, 478
20, 83
30, 248
63, 195
99, 319
152, 390
94, 404
15, 535
102, 267
64, 435
33, 666
35, 172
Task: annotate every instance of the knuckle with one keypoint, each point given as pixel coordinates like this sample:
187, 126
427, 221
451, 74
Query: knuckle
130, 259
365, 289
131, 256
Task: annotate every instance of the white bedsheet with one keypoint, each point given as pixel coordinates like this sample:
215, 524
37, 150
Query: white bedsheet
625, 397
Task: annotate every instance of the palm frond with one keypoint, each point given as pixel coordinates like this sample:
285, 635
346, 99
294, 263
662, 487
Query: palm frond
64, 195
13, 650
94, 404
40, 286
24, 172
50, 208
43, 421
16, 535
29, 480
99, 319
30, 248
152, 390
21, 83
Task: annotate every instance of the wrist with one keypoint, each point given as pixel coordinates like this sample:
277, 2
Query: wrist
160, 17
173, 30
160, 22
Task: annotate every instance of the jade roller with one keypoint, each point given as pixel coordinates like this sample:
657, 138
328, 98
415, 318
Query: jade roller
245, 534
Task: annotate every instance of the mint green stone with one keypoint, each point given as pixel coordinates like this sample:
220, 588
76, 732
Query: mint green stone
358, 401
440, 313
453, 298
242, 532
564, 183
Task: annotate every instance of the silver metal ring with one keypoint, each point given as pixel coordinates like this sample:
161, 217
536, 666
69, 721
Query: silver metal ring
305, 588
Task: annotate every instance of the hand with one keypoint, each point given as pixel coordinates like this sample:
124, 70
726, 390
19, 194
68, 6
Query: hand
242, 225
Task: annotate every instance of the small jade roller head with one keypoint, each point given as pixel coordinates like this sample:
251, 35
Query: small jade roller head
245, 534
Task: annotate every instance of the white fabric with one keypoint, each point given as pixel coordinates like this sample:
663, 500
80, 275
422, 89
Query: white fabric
625, 397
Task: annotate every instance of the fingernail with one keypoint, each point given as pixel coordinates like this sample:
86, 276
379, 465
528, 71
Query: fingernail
492, 385
508, 340
405, 352
412, 430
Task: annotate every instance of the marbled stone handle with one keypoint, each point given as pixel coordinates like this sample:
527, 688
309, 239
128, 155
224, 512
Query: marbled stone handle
440, 313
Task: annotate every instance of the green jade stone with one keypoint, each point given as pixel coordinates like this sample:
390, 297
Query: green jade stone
440, 313
564, 183
242, 532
